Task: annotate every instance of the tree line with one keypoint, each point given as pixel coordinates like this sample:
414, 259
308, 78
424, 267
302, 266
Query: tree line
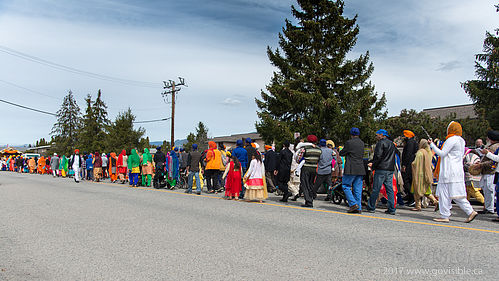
93, 131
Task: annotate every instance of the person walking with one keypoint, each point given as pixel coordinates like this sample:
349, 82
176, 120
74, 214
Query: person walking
242, 155
105, 163
270, 163
255, 180
354, 171
122, 166
192, 169
450, 172
90, 167
408, 156
54, 165
75, 162
97, 166
383, 165
213, 164
134, 167
495, 157
233, 176
422, 176
113, 168
146, 168
488, 170
324, 168
311, 154
284, 160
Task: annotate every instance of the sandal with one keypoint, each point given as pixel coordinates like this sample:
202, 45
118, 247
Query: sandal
416, 209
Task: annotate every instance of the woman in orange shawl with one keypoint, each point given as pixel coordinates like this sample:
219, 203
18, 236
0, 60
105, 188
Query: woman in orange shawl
41, 165
113, 167
31, 165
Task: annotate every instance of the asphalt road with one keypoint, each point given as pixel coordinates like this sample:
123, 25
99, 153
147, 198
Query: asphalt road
55, 229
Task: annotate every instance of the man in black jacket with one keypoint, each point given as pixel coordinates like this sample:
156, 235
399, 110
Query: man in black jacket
354, 172
160, 162
270, 163
408, 156
192, 169
285, 158
383, 165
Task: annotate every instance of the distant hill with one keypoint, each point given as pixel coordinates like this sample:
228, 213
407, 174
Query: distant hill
177, 142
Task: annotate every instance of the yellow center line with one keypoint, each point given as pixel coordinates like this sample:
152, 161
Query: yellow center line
319, 210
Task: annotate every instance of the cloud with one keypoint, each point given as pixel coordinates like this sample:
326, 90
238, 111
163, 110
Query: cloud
231, 101
449, 66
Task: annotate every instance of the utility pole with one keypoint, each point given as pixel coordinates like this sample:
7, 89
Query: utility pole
172, 88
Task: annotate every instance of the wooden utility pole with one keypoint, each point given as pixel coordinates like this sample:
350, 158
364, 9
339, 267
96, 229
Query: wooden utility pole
172, 89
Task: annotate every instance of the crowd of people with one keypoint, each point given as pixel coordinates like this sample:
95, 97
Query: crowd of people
307, 167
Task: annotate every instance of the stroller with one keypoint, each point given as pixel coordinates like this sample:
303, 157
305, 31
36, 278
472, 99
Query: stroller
159, 180
337, 194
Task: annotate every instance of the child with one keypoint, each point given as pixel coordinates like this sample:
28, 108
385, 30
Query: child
233, 181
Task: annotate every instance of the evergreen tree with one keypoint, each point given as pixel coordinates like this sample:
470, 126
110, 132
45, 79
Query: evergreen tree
202, 136
316, 88
191, 139
122, 134
485, 91
65, 130
95, 124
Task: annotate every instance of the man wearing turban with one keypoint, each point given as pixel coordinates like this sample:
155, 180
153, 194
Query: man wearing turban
408, 156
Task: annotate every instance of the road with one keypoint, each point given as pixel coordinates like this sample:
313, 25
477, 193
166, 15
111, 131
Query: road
56, 229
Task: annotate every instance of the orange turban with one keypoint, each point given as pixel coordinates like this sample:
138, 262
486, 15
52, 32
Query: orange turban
454, 129
408, 134
268, 147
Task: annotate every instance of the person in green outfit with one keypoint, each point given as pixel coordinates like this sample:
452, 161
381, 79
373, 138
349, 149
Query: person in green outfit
63, 166
133, 165
146, 167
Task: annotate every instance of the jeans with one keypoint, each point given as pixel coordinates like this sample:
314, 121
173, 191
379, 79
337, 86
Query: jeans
243, 188
497, 196
382, 177
352, 186
90, 173
189, 181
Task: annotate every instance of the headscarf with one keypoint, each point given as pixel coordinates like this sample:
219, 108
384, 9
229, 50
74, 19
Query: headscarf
382, 132
120, 158
422, 164
133, 160
354, 131
330, 142
312, 138
408, 134
454, 129
146, 157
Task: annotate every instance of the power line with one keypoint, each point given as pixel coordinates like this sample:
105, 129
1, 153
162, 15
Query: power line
29, 90
53, 114
151, 121
28, 108
61, 67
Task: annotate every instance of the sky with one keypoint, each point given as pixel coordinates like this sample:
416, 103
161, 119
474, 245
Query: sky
421, 50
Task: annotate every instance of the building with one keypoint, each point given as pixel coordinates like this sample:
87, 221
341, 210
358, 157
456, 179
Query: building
43, 150
461, 111
230, 141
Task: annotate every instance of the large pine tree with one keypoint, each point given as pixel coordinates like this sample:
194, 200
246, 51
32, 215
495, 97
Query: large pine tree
95, 123
485, 91
65, 130
122, 134
316, 88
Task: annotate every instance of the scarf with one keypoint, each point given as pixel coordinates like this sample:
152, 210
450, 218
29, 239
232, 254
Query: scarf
133, 160
146, 157
120, 158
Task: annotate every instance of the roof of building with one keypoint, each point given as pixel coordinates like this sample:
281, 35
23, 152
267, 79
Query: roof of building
235, 137
461, 111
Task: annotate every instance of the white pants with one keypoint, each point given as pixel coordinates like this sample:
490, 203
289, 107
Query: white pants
77, 173
445, 202
54, 173
488, 187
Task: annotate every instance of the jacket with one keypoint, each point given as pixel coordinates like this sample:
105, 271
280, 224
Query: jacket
284, 160
193, 159
270, 161
384, 155
242, 155
213, 157
353, 151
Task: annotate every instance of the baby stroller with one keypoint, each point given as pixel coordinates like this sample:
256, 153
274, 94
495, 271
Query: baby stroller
159, 180
337, 194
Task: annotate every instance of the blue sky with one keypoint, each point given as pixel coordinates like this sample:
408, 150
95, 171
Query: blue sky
421, 51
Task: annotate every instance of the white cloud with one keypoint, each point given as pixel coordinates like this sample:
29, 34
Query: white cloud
231, 101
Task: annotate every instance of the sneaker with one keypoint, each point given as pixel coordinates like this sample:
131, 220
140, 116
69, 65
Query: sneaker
370, 211
353, 208
485, 212
198, 193
187, 191
307, 206
390, 213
